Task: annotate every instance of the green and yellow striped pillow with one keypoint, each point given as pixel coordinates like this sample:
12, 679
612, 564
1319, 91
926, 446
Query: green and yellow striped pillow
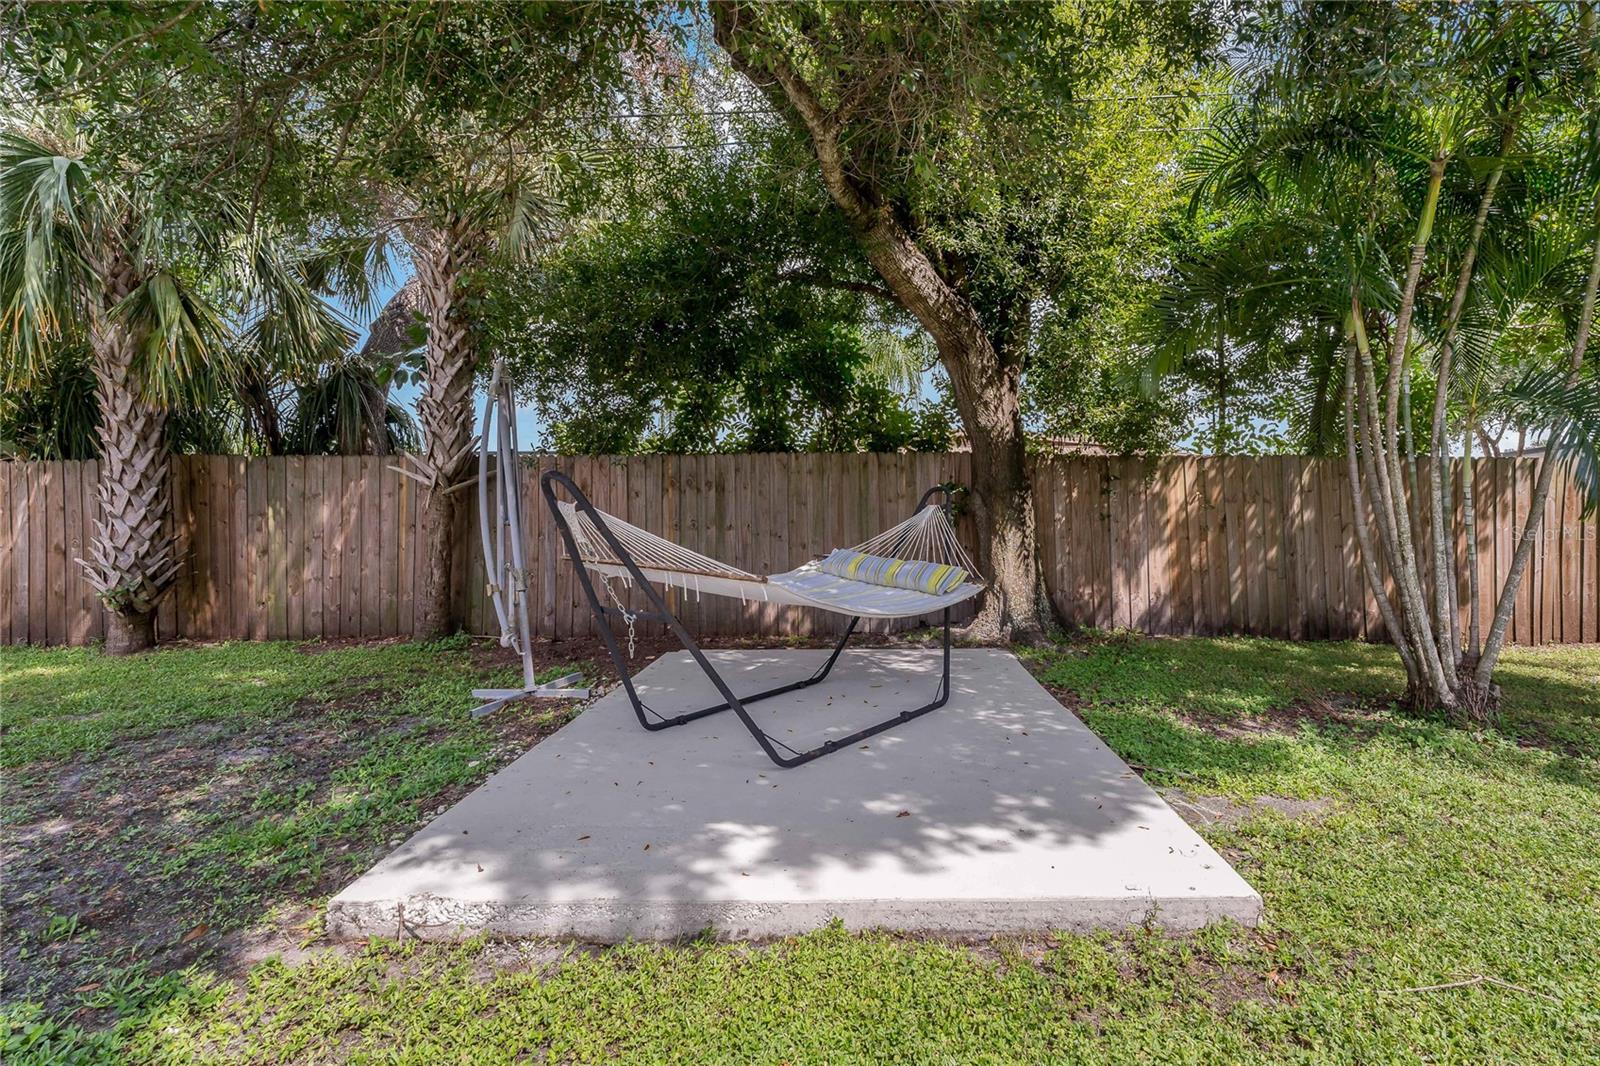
933, 578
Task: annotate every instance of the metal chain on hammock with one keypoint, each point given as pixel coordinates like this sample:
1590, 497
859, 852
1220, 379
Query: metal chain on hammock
627, 615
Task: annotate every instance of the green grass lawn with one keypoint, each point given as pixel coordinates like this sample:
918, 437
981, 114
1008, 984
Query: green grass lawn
171, 825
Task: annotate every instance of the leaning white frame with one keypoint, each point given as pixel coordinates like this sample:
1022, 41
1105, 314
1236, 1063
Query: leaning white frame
500, 527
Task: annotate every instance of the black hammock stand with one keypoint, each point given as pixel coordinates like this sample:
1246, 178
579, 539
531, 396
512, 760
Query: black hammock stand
780, 753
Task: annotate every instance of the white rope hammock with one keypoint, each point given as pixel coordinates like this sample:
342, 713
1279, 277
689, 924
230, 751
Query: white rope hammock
926, 536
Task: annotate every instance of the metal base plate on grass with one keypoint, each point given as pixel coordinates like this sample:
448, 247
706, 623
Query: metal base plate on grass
558, 689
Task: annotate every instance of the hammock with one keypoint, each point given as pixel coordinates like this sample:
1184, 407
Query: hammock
612, 547
926, 536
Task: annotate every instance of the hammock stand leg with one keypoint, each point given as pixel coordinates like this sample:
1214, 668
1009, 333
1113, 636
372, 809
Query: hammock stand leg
658, 612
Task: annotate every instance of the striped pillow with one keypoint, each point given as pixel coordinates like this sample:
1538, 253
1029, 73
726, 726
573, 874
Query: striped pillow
933, 578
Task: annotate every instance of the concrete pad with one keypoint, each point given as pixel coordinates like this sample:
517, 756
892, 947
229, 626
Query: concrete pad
999, 813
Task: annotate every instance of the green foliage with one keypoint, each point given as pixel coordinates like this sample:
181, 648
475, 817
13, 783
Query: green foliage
1026, 151
351, 127
28, 1035
346, 410
212, 303
1308, 192
716, 305
54, 414
1571, 411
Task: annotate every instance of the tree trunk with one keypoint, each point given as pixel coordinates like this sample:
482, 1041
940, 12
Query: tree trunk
1219, 439
1410, 438
1490, 448
133, 560
1433, 678
1429, 686
1443, 570
1405, 565
1317, 443
445, 262
1369, 554
1469, 519
1016, 607
256, 397
985, 374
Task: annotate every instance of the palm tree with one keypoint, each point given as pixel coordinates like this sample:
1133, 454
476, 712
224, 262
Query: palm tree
1374, 166
473, 207
94, 253
346, 410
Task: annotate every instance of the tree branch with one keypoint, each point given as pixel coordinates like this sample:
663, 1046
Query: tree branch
823, 281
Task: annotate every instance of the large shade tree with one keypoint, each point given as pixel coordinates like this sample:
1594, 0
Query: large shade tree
938, 132
710, 300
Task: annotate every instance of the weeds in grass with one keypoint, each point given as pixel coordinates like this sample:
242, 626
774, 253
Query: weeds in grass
1438, 903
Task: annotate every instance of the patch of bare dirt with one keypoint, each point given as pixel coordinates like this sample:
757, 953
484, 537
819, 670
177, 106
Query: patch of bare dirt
97, 851
99, 867
1201, 810
1323, 711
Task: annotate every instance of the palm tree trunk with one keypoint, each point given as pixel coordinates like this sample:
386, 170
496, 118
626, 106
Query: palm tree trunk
1469, 518
1378, 435
256, 398
1369, 554
1486, 442
1413, 494
1494, 643
1322, 372
444, 265
132, 560
1219, 438
1442, 572
1392, 504
1406, 566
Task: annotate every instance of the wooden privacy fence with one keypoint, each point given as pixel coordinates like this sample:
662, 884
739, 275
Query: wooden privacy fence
317, 547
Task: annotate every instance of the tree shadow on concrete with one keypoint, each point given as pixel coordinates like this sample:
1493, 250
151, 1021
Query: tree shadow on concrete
1002, 798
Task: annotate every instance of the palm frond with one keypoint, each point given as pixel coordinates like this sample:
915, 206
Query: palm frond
357, 268
287, 324
184, 337
346, 410
532, 217
1569, 413
43, 256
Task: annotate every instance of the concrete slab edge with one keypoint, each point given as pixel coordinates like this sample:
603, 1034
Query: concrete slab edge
611, 921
